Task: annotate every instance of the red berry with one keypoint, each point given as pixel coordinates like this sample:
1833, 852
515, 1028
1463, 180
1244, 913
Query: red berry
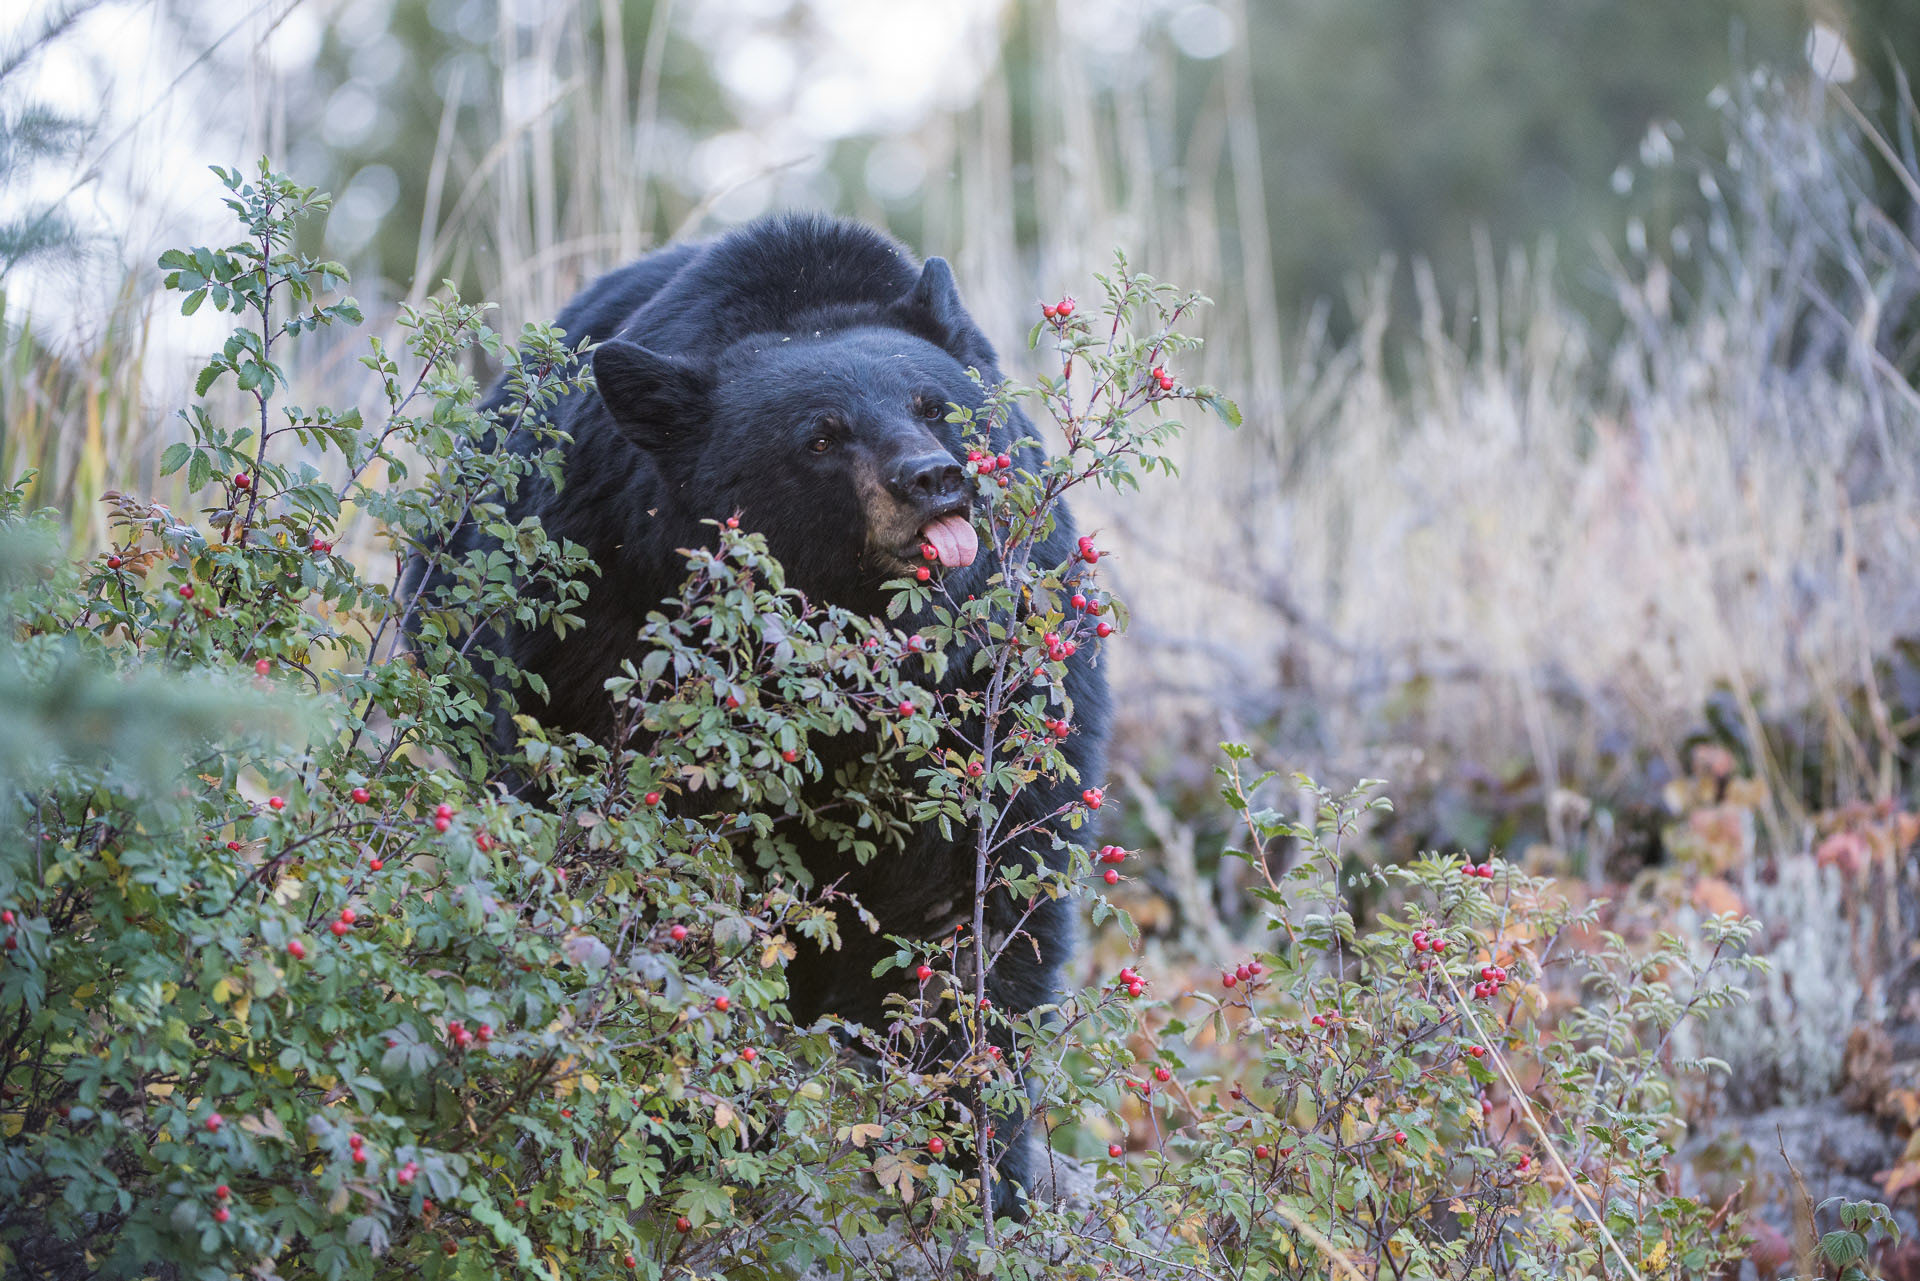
275, 803
924, 973
1319, 1020
1162, 1075
789, 756
1001, 462
443, 810
242, 481
449, 1247
683, 1224
322, 546
975, 769
114, 562
6, 917
297, 950
1477, 1051
906, 707
733, 522
1064, 306
405, 1175
1135, 988
1228, 980
213, 1122
374, 864
1525, 1163
678, 933
922, 574
484, 1032
936, 1145
360, 1156
339, 928
1103, 629
1256, 969
1112, 876
261, 666
721, 1003
566, 1112
186, 592
360, 795
234, 845
1049, 310
733, 702
442, 824
1261, 1152
519, 1203
1093, 796
929, 551
221, 1214
1400, 1137
629, 1261
223, 1192
651, 798
1243, 971
1114, 1150
749, 1054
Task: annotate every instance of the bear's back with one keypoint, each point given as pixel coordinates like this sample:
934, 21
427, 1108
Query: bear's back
789, 273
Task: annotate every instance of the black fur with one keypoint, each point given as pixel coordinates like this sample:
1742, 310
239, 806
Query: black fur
720, 364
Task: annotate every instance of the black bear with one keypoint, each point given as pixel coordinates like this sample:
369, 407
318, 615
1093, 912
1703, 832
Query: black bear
799, 371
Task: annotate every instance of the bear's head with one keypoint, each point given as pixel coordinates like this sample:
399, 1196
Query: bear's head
830, 438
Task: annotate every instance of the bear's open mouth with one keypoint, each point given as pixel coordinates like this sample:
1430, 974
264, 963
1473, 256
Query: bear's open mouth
952, 538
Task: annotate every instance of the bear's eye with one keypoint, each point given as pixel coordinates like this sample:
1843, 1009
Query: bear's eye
931, 410
820, 444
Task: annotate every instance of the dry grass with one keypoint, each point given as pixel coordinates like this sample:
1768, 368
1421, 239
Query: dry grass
1479, 532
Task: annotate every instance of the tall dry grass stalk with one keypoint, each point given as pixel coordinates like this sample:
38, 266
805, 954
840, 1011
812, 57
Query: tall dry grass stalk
1486, 532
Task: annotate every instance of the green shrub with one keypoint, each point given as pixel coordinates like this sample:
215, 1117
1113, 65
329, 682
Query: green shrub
292, 985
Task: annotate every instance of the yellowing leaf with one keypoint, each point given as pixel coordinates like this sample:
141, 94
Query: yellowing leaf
223, 991
860, 1135
897, 1170
776, 951
590, 1083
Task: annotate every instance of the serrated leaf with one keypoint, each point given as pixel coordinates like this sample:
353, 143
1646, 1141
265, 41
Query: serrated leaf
175, 458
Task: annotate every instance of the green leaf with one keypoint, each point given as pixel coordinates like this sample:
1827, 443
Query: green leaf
174, 458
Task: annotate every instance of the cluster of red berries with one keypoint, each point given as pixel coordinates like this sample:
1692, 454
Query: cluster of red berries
1245, 972
1079, 601
462, 1037
358, 1146
1092, 797
1492, 977
345, 922
321, 546
1424, 942
1162, 378
405, 1174
1131, 981
1058, 650
1057, 310
221, 1195
1484, 871
1088, 552
442, 817
986, 464
12, 942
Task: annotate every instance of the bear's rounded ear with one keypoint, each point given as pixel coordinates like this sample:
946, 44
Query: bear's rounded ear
933, 308
658, 400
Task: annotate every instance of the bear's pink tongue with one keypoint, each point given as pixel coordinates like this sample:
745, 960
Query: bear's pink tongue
952, 537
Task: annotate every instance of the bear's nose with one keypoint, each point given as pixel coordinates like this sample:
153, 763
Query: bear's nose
928, 477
